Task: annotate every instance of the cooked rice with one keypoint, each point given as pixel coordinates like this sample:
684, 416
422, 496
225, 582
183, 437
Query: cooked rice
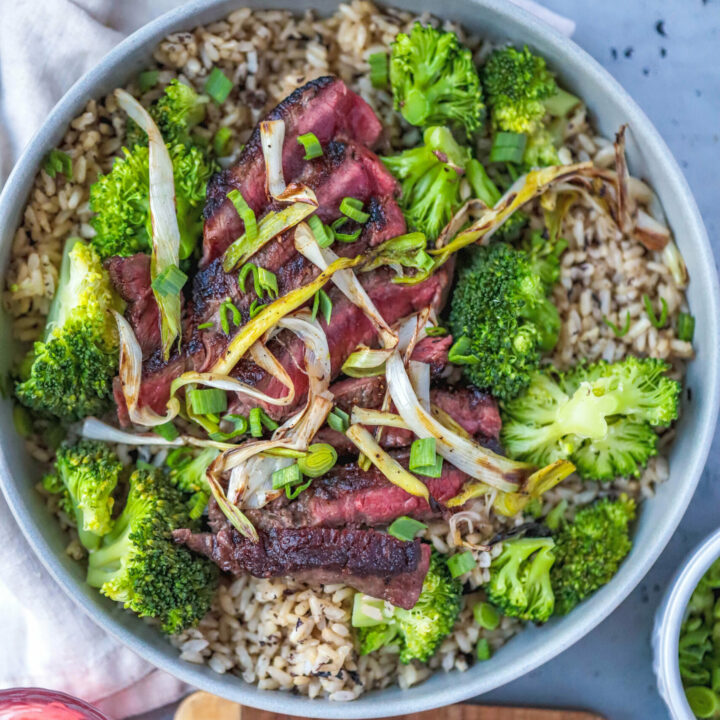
281, 634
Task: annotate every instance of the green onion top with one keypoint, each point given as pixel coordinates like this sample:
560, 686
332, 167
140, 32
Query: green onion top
289, 475
58, 162
221, 141
352, 208
424, 458
323, 234
378, 69
658, 322
218, 85
508, 147
291, 492
339, 420
320, 459
246, 213
405, 528
486, 616
323, 303
482, 650
148, 79
617, 331
207, 401
228, 306
170, 281
313, 148
367, 611
685, 326
258, 419
167, 430
461, 563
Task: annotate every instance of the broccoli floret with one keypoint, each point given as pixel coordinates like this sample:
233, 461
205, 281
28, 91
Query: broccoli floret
187, 473
598, 416
516, 84
419, 631
430, 180
71, 370
540, 150
140, 565
519, 584
120, 200
434, 79
501, 319
589, 550
88, 471
545, 256
513, 227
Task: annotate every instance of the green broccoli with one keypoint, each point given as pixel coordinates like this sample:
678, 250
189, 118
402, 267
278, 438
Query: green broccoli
434, 79
519, 584
140, 565
70, 371
430, 178
544, 254
120, 200
600, 417
419, 631
88, 471
589, 550
187, 473
501, 319
521, 93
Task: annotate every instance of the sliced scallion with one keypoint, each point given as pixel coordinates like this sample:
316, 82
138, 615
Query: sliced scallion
424, 458
508, 147
323, 303
239, 427
268, 281
405, 528
291, 492
338, 420
434, 470
255, 308
313, 148
148, 79
658, 322
207, 401
246, 213
58, 162
320, 459
344, 237
205, 326
218, 85
436, 331
617, 331
461, 563
378, 69
258, 419
221, 141
367, 611
289, 475
482, 650
167, 430
486, 616
685, 327
228, 306
322, 233
170, 281
353, 208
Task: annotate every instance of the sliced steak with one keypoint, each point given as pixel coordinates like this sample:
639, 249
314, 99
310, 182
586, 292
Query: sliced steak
370, 561
325, 107
434, 352
348, 495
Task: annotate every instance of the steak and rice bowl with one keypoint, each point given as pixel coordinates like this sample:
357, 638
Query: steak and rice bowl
349, 347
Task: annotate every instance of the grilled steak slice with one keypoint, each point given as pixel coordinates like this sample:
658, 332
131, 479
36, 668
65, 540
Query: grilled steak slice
434, 352
325, 107
348, 328
348, 495
476, 411
131, 278
372, 562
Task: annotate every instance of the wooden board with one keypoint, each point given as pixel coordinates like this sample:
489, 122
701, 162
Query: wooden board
202, 706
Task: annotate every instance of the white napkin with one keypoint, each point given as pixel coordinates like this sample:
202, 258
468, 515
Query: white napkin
47, 641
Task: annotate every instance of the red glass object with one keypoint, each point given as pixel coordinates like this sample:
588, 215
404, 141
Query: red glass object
39, 704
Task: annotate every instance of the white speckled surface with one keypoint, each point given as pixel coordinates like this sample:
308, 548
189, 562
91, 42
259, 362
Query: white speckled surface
610, 670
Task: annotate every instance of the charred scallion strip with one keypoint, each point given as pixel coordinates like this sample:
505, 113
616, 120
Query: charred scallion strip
344, 237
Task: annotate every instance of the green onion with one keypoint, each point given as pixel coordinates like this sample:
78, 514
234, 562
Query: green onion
313, 148
205, 326
482, 186
263, 280
239, 427
170, 281
22, 421
556, 515
378, 69
205, 402
268, 281
289, 475
167, 430
482, 650
225, 306
508, 147
197, 503
685, 327
344, 237
179, 457
246, 213
323, 235
256, 307
323, 303
405, 528
424, 458
436, 331
148, 79
353, 208
616, 330
245, 270
320, 458
292, 492
703, 702
461, 563
58, 162
285, 452
561, 103
658, 322
486, 616
258, 419
367, 611
221, 141
218, 85
339, 420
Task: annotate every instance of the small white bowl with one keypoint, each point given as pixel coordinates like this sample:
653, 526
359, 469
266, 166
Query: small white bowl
669, 618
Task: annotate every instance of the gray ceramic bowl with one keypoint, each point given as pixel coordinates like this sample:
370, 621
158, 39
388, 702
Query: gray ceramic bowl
668, 620
649, 158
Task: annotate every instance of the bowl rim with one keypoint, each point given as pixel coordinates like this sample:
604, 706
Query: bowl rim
668, 621
585, 617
